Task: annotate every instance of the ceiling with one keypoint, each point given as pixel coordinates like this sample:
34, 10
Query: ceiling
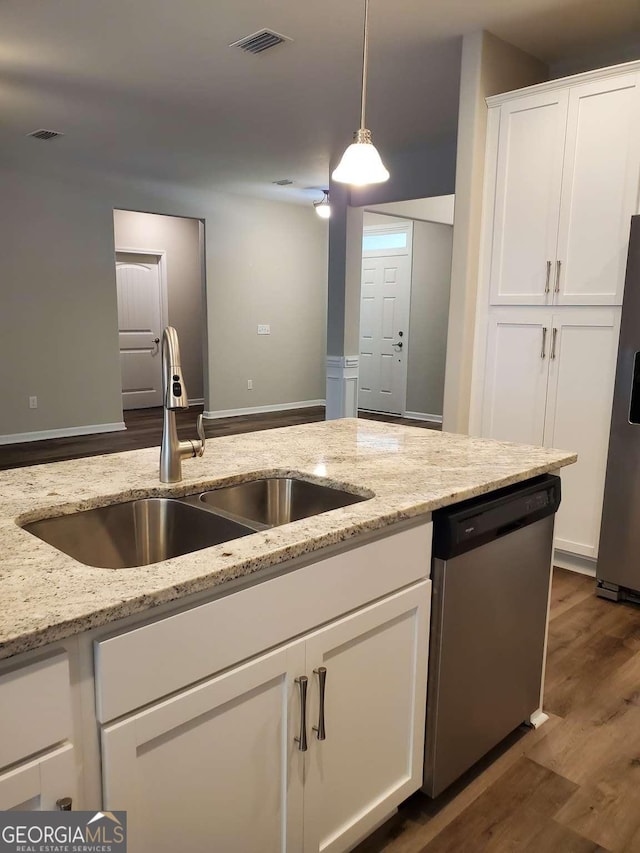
150, 88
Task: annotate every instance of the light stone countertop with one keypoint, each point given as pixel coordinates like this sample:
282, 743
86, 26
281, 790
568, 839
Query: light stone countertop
47, 596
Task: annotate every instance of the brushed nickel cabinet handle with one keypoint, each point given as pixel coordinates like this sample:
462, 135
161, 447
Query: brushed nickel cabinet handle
543, 353
548, 281
558, 268
64, 804
301, 740
320, 731
554, 337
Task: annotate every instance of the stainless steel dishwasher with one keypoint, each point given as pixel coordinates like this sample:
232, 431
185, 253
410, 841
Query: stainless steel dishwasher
491, 575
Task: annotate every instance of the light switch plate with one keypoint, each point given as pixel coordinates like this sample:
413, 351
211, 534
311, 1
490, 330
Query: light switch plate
264, 329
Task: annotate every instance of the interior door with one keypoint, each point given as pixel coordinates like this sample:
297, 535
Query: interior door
140, 324
384, 320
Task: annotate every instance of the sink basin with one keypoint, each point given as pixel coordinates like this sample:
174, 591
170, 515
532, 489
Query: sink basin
136, 533
277, 500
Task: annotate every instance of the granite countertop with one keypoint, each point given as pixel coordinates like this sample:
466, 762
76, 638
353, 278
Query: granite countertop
47, 596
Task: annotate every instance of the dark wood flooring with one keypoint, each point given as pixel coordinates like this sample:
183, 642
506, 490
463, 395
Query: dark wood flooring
144, 429
572, 786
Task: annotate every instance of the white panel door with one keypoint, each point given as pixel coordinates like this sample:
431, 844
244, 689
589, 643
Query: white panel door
581, 378
384, 323
527, 200
372, 757
599, 191
516, 374
215, 767
37, 785
140, 324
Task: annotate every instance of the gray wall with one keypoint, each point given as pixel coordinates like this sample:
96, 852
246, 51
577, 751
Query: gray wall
58, 317
430, 288
180, 239
429, 312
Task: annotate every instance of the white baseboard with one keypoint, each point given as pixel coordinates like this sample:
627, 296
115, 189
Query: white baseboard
574, 563
66, 432
258, 410
422, 416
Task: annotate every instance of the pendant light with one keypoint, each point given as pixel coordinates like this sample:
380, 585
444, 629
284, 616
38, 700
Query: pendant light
361, 163
323, 208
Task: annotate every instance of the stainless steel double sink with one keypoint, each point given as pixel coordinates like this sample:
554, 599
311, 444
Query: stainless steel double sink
148, 530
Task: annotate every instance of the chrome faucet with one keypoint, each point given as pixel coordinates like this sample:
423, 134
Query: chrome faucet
174, 397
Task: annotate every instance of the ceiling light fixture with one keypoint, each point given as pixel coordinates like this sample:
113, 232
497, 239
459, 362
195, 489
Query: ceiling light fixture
361, 163
323, 208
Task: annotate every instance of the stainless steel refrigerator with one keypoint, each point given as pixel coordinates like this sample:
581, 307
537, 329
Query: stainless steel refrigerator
619, 554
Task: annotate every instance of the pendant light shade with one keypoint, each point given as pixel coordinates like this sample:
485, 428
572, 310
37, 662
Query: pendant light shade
361, 164
323, 208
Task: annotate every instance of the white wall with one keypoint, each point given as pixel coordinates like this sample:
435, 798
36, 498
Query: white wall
180, 239
438, 209
489, 66
265, 262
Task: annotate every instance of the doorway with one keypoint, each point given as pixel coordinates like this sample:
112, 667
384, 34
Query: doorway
160, 281
419, 362
384, 317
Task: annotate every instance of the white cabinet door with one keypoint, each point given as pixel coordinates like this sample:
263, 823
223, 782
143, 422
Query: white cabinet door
527, 198
215, 767
372, 757
581, 379
37, 785
599, 190
516, 373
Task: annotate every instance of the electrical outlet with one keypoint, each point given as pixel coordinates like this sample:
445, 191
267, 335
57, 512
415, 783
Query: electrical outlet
33, 402
249, 384
264, 329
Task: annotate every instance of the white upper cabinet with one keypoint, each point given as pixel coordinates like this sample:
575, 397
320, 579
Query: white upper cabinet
563, 164
599, 191
528, 180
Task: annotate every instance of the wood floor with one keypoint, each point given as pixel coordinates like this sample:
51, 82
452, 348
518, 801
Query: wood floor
144, 429
572, 786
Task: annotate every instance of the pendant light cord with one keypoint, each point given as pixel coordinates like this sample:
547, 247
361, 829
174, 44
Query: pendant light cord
365, 56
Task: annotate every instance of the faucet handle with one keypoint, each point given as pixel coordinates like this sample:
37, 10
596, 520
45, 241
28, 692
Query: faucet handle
201, 436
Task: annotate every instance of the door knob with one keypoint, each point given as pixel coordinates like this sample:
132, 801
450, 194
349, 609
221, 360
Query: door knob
398, 344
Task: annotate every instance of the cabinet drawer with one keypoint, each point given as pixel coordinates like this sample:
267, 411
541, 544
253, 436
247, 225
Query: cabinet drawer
35, 708
154, 660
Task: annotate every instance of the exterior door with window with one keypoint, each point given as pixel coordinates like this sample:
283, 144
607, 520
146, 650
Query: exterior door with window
384, 318
140, 325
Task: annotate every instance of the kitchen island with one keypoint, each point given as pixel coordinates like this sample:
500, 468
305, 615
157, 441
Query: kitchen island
151, 688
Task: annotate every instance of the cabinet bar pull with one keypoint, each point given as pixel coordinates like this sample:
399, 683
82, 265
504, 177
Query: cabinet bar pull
64, 804
320, 731
543, 353
558, 268
554, 336
302, 739
547, 284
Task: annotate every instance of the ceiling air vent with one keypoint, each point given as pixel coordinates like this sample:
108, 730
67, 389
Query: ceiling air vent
260, 41
283, 182
45, 134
